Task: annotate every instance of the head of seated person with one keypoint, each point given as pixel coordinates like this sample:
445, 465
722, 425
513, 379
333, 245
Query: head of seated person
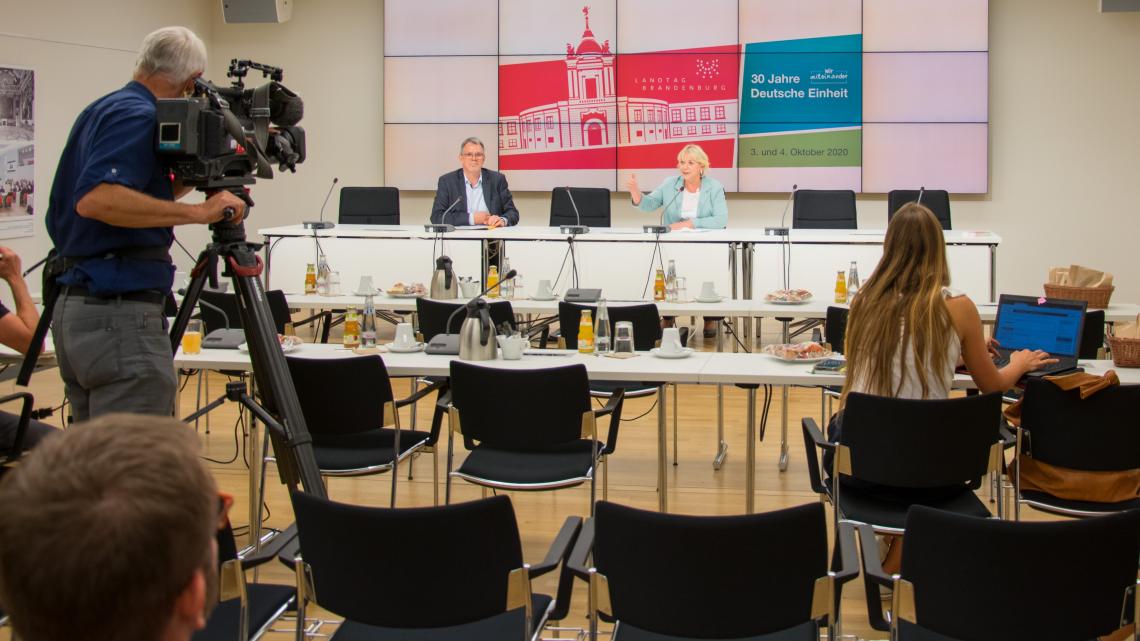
108, 532
899, 330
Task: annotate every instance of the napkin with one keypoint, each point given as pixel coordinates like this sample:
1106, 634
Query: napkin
1127, 330
1079, 276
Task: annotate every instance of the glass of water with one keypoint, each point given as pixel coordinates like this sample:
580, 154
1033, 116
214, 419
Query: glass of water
623, 337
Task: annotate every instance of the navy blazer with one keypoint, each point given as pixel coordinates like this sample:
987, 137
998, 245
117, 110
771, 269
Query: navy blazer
495, 192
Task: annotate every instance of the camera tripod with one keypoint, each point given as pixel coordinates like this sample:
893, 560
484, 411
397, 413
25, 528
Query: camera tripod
280, 410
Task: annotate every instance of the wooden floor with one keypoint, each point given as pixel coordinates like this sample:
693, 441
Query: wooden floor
694, 486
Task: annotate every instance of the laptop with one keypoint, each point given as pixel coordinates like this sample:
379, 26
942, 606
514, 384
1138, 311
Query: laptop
1050, 324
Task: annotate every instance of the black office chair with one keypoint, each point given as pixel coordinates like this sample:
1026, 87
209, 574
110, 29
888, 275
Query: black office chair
1059, 429
663, 576
433, 315
593, 206
893, 453
348, 407
229, 317
824, 209
535, 431
445, 573
834, 332
10, 453
369, 206
936, 200
1092, 336
245, 611
966, 578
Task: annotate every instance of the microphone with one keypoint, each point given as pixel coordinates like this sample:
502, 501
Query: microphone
661, 227
921, 190
225, 338
578, 228
441, 226
448, 343
322, 224
782, 230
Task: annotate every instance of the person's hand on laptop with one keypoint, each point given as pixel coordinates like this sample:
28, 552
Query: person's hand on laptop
1028, 360
992, 346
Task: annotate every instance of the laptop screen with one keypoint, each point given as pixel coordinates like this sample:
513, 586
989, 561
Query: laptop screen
1054, 325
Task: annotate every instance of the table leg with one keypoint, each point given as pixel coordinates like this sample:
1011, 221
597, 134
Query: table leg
722, 446
784, 411
750, 454
662, 448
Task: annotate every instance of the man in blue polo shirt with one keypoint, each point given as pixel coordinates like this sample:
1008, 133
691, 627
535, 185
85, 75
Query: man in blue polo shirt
111, 216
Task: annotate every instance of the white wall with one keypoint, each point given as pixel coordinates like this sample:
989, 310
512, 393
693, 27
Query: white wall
1063, 107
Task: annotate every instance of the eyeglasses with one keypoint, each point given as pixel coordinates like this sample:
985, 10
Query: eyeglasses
473, 155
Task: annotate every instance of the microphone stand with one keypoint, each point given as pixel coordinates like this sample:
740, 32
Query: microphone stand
578, 228
657, 230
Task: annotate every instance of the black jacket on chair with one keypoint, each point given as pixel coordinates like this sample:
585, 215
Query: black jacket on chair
495, 193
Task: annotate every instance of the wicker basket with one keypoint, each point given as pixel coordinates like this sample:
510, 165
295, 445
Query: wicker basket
1096, 297
1125, 351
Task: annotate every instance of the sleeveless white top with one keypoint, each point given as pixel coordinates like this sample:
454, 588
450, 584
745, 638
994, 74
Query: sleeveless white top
938, 383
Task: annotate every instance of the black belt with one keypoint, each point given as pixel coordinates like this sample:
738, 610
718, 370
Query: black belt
141, 296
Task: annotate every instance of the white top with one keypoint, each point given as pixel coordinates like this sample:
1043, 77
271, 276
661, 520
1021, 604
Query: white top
938, 383
689, 201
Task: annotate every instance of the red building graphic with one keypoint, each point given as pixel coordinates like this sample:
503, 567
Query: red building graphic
575, 113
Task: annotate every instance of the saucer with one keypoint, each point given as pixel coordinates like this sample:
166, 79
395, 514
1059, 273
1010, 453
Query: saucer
544, 298
375, 292
684, 353
395, 349
714, 299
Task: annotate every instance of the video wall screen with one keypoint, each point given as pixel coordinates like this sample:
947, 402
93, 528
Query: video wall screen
869, 95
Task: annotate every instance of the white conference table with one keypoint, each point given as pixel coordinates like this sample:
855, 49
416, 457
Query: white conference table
700, 368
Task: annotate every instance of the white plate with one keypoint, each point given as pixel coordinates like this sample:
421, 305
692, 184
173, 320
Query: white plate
391, 295
375, 292
812, 359
789, 302
684, 353
543, 299
292, 347
392, 347
716, 299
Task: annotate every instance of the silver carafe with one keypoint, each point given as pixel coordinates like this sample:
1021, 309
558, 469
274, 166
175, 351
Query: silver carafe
477, 335
444, 284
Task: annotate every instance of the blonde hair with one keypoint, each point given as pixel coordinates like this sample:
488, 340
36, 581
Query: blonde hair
901, 307
698, 155
174, 52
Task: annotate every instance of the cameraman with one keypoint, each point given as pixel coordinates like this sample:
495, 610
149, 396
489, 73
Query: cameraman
111, 215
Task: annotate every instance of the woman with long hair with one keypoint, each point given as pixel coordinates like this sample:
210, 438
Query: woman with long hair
907, 330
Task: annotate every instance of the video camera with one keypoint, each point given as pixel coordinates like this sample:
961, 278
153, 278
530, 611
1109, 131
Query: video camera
222, 137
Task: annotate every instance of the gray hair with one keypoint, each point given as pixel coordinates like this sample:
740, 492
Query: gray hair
175, 52
472, 140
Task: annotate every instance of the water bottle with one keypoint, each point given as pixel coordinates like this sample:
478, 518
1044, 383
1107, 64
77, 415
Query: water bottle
852, 281
602, 329
506, 288
368, 324
671, 282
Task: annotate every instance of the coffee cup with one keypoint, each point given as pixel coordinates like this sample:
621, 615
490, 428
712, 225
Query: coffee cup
470, 288
708, 290
512, 347
365, 287
544, 290
405, 337
670, 340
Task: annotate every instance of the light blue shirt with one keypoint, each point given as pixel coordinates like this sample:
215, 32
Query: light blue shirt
475, 201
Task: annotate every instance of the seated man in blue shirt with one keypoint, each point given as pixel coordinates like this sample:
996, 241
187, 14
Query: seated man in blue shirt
473, 195
111, 215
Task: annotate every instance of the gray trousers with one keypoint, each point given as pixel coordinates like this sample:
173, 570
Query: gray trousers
114, 356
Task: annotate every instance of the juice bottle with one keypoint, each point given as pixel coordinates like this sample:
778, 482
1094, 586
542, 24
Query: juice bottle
311, 279
659, 286
840, 288
586, 333
351, 328
492, 282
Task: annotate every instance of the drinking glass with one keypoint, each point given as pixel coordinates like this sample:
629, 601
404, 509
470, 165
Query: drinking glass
623, 337
192, 337
682, 290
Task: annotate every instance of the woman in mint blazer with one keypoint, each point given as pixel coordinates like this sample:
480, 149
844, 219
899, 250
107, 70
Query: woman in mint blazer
691, 200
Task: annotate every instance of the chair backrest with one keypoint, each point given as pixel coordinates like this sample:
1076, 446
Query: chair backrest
593, 206
369, 206
410, 567
936, 200
835, 327
920, 443
229, 315
1100, 433
824, 209
667, 572
1092, 336
341, 395
645, 318
433, 315
520, 410
992, 580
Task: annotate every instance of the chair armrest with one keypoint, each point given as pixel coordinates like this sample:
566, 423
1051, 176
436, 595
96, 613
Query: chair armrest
613, 409
873, 577
615, 401
403, 402
814, 438
846, 553
1006, 435
560, 547
267, 553
578, 561
22, 425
